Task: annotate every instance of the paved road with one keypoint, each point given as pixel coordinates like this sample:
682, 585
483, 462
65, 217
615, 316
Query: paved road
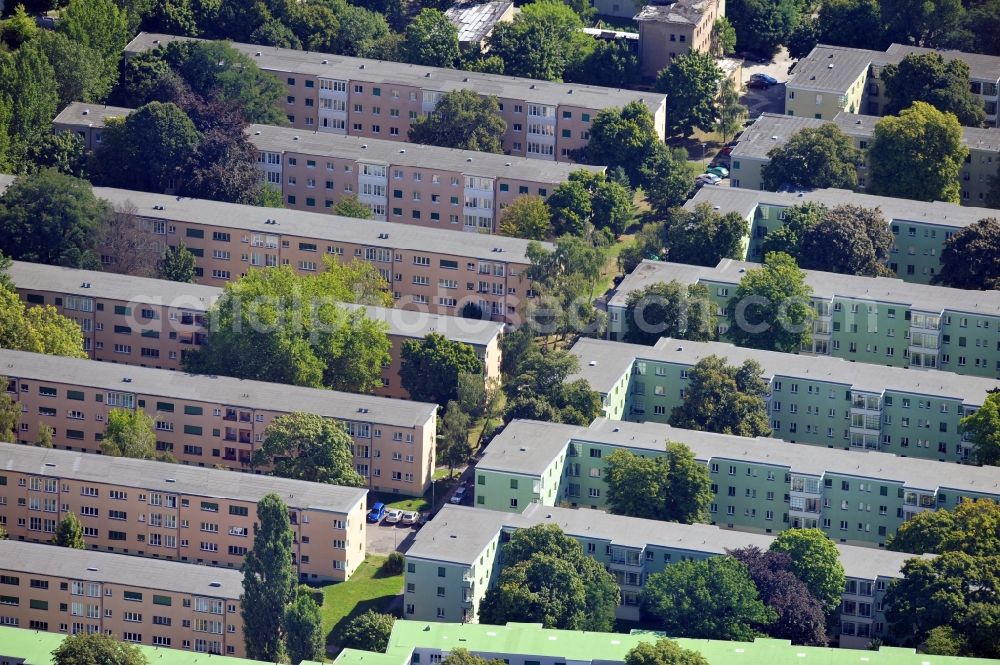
384, 538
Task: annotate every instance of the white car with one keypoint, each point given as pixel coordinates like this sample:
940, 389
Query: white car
410, 517
393, 516
708, 179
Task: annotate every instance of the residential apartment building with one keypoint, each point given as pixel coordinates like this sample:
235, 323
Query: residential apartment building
771, 131
380, 99
832, 79
156, 603
419, 185
919, 229
176, 512
207, 420
456, 557
671, 29
878, 320
759, 485
816, 400
414, 642
429, 270
170, 319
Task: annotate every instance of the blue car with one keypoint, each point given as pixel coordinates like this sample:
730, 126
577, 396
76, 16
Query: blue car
766, 78
377, 512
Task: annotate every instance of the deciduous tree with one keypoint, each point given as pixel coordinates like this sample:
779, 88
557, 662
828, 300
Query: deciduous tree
177, 264
527, 217
672, 487
971, 257
666, 178
612, 64
79, 71
305, 446
724, 398
663, 652
369, 631
10, 413
459, 656
926, 77
90, 648
622, 137
303, 626
762, 25
849, 239
129, 433
704, 237
100, 25
268, 581
125, 239
45, 434
69, 533
670, 309
462, 119
430, 367
38, 329
723, 37
813, 158
714, 598
431, 39
983, 429
541, 42
815, 561
350, 206
455, 449
51, 218
972, 527
691, 83
729, 112
917, 155
771, 308
851, 23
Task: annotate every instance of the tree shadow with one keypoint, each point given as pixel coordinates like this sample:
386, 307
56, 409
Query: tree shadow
386, 603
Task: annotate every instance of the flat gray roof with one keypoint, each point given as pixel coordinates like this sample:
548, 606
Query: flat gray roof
381, 151
342, 67
830, 69
215, 389
131, 571
745, 201
198, 298
687, 12
91, 115
981, 66
828, 285
177, 478
328, 228
772, 130
475, 20
858, 376
459, 534
504, 454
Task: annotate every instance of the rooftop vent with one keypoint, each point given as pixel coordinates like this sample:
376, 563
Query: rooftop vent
716, 208
361, 66
257, 133
812, 78
830, 66
50, 464
402, 151
362, 409
85, 285
383, 236
468, 159
215, 584
774, 138
593, 363
257, 54
680, 348
127, 379
171, 480
326, 62
364, 146
465, 80
92, 569
617, 429
86, 111
532, 86
507, 164
427, 75
295, 138
157, 207
156, 41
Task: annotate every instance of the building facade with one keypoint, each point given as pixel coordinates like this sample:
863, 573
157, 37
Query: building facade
919, 229
669, 30
155, 603
380, 99
759, 485
832, 79
213, 420
816, 400
770, 131
428, 270
170, 319
456, 557
176, 512
878, 320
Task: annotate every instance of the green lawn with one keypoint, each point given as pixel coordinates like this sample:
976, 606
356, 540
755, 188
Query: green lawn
418, 503
610, 270
368, 589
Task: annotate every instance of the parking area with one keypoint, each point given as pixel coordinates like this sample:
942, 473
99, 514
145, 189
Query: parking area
384, 538
771, 100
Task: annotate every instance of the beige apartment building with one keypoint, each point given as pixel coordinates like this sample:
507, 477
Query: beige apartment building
414, 184
156, 603
771, 131
379, 99
670, 30
169, 319
832, 79
176, 512
215, 420
428, 270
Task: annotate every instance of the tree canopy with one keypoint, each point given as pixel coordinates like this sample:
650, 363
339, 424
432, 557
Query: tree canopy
983, 430
38, 329
673, 487
129, 433
303, 628
538, 388
369, 631
527, 217
762, 25
305, 446
430, 367
669, 309
90, 648
703, 236
970, 258
542, 41
972, 527
691, 83
713, 598
724, 398
431, 39
813, 158
274, 325
462, 119
927, 77
663, 652
816, 561
622, 137
771, 308
69, 533
917, 155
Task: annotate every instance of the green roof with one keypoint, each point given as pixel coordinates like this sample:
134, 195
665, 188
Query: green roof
34, 647
569, 645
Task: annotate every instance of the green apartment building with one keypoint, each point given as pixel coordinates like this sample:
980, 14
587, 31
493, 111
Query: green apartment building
919, 229
878, 320
455, 558
422, 643
760, 485
818, 400
771, 130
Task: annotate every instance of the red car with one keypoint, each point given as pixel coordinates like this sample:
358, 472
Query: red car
725, 152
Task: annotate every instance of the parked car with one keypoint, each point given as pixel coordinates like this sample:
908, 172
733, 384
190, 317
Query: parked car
708, 179
422, 520
458, 496
758, 84
377, 512
760, 76
720, 171
410, 517
725, 152
393, 516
